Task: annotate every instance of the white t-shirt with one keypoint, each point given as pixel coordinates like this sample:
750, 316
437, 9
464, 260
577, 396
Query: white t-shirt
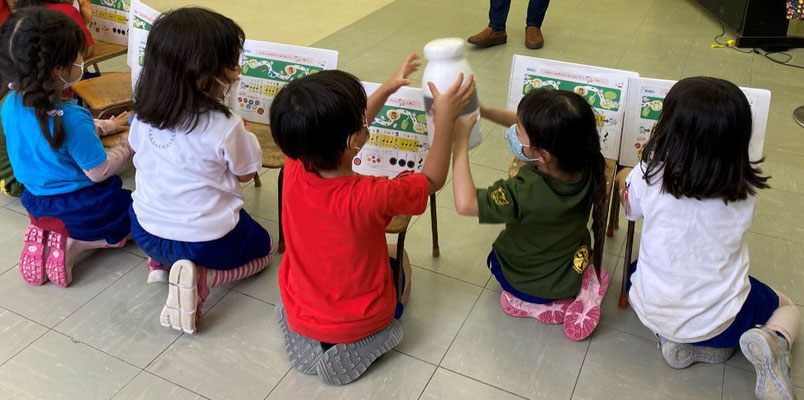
692, 273
186, 182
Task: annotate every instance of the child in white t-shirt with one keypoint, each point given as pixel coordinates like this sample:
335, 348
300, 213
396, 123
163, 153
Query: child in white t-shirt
192, 154
695, 190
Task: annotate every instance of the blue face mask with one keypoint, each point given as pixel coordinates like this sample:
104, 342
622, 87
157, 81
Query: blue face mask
515, 145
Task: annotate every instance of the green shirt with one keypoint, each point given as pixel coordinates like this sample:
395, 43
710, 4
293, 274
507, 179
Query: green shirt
544, 247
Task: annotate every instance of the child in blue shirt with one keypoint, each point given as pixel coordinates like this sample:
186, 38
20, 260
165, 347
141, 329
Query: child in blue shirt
72, 196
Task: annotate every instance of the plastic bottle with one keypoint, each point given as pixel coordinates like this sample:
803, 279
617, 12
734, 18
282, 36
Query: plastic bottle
445, 60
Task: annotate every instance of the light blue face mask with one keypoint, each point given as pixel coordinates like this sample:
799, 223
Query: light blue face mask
515, 145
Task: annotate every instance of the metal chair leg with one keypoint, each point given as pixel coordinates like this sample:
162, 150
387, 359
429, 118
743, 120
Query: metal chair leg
281, 244
629, 247
400, 254
614, 212
434, 224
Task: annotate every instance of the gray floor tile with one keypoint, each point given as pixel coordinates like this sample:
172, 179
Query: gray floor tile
739, 385
49, 304
14, 226
447, 385
17, 333
392, 376
236, 353
147, 386
521, 356
464, 246
437, 308
54, 367
622, 366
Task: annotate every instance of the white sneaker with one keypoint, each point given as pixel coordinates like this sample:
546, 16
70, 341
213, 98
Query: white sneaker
179, 312
158, 276
770, 355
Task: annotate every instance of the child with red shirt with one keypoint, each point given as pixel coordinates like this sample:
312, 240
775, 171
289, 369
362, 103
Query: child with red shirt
81, 17
340, 302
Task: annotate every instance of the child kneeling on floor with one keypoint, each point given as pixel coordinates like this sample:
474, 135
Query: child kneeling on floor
72, 195
192, 154
541, 258
695, 190
340, 295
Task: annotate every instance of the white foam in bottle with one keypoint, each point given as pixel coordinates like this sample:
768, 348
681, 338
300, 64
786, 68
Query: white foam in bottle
445, 60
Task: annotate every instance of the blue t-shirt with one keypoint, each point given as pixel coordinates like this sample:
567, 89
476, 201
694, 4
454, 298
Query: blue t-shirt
36, 165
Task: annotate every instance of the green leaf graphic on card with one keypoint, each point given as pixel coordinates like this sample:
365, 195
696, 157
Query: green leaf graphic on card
422, 118
610, 95
645, 112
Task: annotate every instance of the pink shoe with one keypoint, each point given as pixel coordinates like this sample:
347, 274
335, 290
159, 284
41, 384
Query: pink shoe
551, 313
157, 272
32, 263
58, 268
583, 314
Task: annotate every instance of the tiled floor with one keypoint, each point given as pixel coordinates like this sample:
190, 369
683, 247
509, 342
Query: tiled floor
101, 337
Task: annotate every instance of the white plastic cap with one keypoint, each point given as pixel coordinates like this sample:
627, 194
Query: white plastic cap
444, 48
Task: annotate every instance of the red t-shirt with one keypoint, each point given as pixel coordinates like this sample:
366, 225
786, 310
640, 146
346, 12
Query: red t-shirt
335, 277
4, 11
73, 13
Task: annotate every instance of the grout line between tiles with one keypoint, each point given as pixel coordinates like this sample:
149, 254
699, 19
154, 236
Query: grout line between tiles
484, 383
278, 383
461, 328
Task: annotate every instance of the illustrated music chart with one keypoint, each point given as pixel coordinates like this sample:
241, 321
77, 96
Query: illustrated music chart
267, 67
646, 102
398, 139
605, 89
140, 21
110, 20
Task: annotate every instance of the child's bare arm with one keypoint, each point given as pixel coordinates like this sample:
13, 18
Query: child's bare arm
498, 115
394, 82
85, 8
463, 186
447, 108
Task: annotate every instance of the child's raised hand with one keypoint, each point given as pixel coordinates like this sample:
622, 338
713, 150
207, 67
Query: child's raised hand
85, 8
450, 104
463, 128
400, 77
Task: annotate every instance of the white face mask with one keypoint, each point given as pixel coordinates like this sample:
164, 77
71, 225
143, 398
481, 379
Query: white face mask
80, 76
227, 87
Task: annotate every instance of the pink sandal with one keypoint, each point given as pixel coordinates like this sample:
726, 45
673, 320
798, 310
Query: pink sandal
32, 266
551, 313
57, 268
583, 314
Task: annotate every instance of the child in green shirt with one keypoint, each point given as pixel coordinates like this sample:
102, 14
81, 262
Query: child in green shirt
541, 258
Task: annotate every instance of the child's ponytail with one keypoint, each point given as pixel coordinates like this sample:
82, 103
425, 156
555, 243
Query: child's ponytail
33, 42
597, 192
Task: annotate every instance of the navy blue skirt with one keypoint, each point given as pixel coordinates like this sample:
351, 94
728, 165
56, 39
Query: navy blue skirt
93, 213
245, 242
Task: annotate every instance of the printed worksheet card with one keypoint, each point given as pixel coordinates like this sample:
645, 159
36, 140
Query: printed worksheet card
110, 20
398, 140
604, 88
266, 68
645, 105
140, 21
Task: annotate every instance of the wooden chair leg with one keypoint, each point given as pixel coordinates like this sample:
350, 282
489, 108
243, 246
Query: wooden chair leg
629, 247
434, 224
614, 212
281, 244
257, 180
400, 254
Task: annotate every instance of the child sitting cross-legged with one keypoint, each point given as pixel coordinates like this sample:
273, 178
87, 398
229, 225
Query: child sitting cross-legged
340, 298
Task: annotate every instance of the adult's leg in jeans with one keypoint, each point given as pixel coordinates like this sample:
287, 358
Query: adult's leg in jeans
536, 11
786, 319
498, 14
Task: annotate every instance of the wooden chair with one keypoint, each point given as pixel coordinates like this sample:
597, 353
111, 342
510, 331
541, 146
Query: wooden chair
107, 94
629, 248
272, 157
611, 171
102, 51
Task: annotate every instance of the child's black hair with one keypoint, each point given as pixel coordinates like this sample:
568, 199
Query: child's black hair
33, 42
187, 49
699, 146
312, 117
564, 124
